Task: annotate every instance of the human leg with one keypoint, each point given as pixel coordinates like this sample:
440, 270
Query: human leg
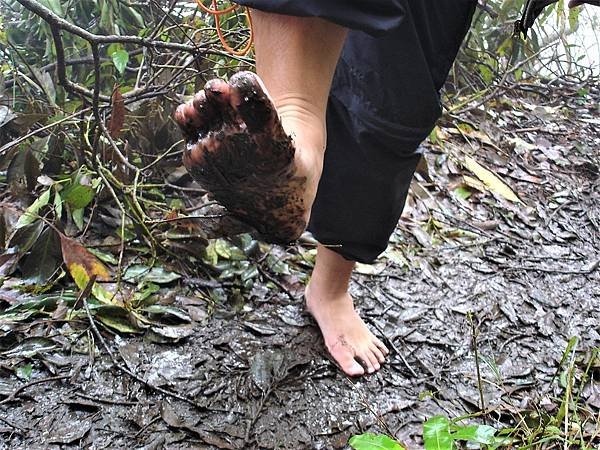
373, 148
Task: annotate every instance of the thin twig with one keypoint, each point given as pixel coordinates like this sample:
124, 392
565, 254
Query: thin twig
13, 395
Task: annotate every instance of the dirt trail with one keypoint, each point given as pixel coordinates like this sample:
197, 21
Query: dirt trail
524, 277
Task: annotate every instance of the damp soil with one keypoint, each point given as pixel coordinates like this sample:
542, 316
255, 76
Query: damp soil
519, 280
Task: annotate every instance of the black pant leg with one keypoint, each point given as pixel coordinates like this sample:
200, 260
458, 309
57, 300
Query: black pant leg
383, 104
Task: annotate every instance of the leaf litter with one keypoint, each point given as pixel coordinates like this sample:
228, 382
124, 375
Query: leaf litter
501, 226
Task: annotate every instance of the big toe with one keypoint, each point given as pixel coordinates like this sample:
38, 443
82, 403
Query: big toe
207, 111
344, 356
250, 99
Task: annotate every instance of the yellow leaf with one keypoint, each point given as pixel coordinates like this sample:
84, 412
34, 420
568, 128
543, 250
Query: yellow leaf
491, 180
81, 278
75, 253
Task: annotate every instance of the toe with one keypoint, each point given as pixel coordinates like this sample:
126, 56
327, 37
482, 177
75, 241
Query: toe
378, 353
188, 119
381, 346
218, 96
209, 116
371, 360
250, 99
344, 356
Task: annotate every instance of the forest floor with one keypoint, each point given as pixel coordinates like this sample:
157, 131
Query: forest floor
504, 265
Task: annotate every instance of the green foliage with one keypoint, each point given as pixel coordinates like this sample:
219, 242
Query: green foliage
120, 59
439, 433
492, 51
370, 441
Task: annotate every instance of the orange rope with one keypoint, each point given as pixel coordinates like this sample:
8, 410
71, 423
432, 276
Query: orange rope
216, 12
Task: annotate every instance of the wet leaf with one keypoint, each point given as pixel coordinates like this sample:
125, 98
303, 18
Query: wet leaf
30, 347
265, 368
69, 431
6, 115
491, 180
25, 121
3, 231
436, 434
168, 312
168, 335
370, 441
155, 274
117, 116
8, 263
168, 414
75, 254
23, 171
31, 213
45, 258
24, 238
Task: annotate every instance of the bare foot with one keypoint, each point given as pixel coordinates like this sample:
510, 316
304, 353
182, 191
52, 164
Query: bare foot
346, 336
238, 149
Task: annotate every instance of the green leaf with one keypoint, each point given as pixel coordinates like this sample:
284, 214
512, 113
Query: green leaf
120, 59
24, 372
211, 254
155, 274
25, 237
78, 196
58, 208
574, 18
370, 441
45, 258
229, 251
77, 215
116, 318
31, 213
482, 434
103, 256
462, 192
436, 434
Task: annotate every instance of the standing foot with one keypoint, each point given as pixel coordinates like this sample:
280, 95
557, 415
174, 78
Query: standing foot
346, 335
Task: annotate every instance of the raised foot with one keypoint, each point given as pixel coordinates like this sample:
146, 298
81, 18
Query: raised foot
348, 340
237, 150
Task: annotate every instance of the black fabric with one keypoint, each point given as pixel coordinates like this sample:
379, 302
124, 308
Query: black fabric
384, 102
375, 17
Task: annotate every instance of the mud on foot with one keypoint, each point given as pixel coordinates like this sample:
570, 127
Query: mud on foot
236, 148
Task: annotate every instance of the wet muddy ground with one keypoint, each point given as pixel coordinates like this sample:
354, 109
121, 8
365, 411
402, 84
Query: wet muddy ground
465, 264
